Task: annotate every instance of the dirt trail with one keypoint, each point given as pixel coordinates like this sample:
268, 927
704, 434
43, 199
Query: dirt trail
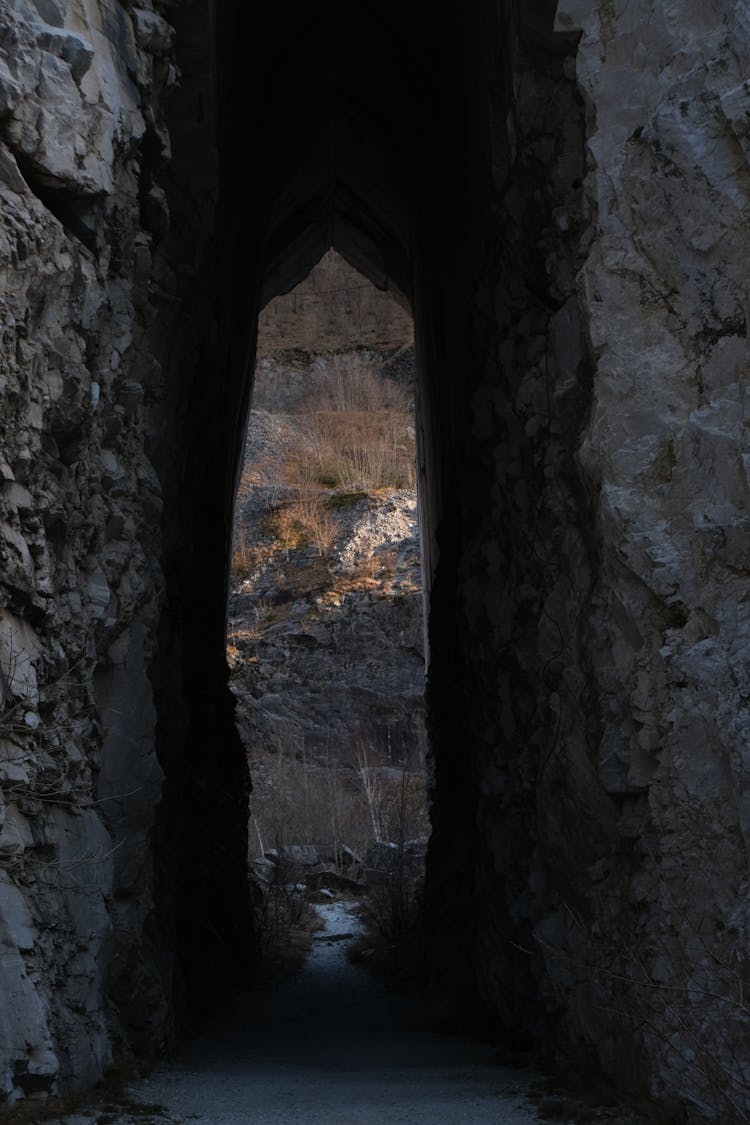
329, 1047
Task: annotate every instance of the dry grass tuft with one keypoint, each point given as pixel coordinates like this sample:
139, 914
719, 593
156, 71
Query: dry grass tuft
360, 433
244, 559
287, 925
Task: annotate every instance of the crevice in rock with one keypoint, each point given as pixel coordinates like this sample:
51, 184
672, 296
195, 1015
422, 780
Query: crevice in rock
75, 211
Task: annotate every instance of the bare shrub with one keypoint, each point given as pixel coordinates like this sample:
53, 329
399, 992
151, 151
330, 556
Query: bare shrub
328, 803
360, 432
244, 557
368, 571
374, 809
357, 449
319, 525
304, 520
300, 466
285, 920
393, 906
351, 383
307, 802
283, 908
392, 913
393, 796
355, 431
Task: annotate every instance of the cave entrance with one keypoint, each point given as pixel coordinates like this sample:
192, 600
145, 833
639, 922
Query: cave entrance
325, 618
343, 161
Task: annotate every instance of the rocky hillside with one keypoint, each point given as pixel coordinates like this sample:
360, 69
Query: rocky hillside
325, 634
334, 309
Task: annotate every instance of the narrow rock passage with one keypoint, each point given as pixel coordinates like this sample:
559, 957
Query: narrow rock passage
330, 1046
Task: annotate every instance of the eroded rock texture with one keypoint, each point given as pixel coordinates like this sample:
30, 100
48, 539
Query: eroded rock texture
563, 199
79, 534
89, 301
612, 764
664, 455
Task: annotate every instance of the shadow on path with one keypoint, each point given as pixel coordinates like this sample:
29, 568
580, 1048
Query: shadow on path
330, 1046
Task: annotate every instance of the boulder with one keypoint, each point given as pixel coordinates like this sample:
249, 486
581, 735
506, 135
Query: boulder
301, 855
331, 880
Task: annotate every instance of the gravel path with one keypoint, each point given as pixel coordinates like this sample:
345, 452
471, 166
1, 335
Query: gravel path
329, 1047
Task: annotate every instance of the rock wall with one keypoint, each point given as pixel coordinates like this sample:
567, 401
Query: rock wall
90, 301
576, 270
664, 295
606, 675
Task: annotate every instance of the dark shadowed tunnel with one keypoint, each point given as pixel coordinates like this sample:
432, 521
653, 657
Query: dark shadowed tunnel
389, 139
445, 158
558, 191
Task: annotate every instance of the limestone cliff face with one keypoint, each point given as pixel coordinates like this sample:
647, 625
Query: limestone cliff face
619, 552
82, 137
664, 456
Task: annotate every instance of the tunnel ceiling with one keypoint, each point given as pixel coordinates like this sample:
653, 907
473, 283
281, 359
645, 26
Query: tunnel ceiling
369, 130
342, 100
348, 115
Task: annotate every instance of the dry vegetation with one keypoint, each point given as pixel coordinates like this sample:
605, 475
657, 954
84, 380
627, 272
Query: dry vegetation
303, 521
355, 434
369, 821
333, 803
349, 434
360, 433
